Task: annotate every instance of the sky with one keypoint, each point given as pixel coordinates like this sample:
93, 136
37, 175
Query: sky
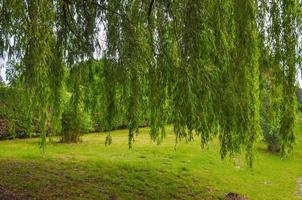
2, 69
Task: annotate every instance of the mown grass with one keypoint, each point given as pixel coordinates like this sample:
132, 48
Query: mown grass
89, 170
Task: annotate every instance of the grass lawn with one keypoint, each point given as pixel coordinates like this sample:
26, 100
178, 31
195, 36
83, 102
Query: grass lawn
89, 170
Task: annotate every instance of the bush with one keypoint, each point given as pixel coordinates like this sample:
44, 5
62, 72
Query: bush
271, 137
74, 124
270, 117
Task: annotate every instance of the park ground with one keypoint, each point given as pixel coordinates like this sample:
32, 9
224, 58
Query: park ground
89, 170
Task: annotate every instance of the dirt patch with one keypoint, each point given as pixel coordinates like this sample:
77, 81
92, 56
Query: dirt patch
6, 195
112, 197
234, 196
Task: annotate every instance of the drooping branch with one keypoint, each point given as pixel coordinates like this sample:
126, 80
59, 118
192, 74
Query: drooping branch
196, 62
150, 9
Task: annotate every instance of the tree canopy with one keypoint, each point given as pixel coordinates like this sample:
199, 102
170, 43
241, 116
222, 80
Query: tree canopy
199, 60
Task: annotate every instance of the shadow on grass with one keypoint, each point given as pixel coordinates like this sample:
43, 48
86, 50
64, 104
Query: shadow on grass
22, 179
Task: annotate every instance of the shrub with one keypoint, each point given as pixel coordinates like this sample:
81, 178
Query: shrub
74, 124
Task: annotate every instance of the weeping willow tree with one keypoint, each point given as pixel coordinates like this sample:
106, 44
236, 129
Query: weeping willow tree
280, 32
194, 64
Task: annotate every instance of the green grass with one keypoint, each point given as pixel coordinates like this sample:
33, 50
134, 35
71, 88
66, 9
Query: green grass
89, 170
